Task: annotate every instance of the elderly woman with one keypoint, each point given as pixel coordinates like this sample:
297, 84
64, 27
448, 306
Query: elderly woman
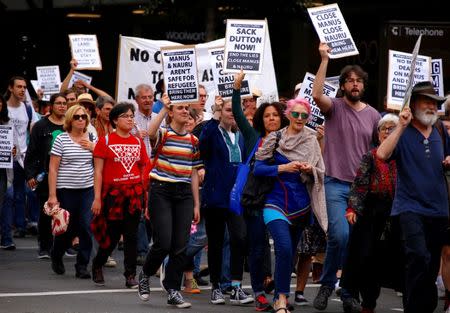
71, 181
291, 155
369, 207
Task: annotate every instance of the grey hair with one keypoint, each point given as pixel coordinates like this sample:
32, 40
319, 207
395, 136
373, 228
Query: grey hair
100, 102
140, 87
388, 118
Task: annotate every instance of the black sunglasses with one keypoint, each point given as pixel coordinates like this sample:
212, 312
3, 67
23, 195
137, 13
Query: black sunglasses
78, 116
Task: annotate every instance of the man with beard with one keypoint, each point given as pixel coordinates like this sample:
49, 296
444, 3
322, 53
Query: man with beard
351, 127
421, 199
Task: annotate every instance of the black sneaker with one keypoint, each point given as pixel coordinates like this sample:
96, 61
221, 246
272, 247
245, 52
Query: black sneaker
321, 300
82, 272
175, 298
300, 299
351, 305
217, 296
261, 304
9, 247
200, 280
71, 253
97, 276
144, 286
58, 266
43, 254
238, 296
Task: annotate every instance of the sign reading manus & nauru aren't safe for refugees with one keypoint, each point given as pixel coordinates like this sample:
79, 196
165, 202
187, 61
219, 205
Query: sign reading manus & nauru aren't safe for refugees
180, 73
244, 45
332, 29
224, 82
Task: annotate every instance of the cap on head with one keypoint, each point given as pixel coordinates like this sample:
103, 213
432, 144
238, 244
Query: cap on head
256, 92
426, 89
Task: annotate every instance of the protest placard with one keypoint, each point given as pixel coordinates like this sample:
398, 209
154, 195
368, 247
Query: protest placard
398, 76
80, 76
223, 81
49, 80
332, 29
6, 146
244, 45
180, 73
437, 78
139, 61
305, 92
85, 50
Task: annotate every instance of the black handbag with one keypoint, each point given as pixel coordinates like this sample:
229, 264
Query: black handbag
257, 187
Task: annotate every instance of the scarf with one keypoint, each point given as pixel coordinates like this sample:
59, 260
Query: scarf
302, 147
234, 150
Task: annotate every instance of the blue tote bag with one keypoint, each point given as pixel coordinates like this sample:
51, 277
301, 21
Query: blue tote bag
241, 179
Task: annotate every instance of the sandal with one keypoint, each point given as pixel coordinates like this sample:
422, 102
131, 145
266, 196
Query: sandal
281, 310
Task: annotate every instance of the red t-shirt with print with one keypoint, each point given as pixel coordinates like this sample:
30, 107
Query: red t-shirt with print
122, 158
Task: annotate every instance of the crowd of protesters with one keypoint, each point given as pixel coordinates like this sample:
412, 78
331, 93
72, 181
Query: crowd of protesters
365, 194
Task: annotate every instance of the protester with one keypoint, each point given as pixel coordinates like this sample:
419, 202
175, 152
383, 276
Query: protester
103, 106
369, 207
37, 165
421, 197
298, 188
351, 129
268, 117
119, 163
70, 181
173, 199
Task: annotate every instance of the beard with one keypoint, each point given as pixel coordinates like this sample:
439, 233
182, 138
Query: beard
352, 98
426, 117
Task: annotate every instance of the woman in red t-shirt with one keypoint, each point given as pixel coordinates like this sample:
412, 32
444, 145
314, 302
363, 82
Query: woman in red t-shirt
119, 163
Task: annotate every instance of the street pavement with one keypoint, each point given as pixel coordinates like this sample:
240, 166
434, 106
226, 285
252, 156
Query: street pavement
28, 285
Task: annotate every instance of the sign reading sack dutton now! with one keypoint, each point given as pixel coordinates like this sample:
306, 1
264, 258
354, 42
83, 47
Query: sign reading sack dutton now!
180, 73
85, 50
332, 29
244, 45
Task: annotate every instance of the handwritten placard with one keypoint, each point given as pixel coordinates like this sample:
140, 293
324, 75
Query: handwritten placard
85, 50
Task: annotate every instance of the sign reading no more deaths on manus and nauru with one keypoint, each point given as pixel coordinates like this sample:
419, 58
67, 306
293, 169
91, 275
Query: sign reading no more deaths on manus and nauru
399, 70
305, 92
224, 82
332, 29
180, 73
244, 45
85, 50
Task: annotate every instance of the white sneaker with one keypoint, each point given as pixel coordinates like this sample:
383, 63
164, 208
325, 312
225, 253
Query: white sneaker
110, 262
440, 287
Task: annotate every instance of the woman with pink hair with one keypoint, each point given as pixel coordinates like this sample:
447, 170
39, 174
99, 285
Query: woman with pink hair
292, 156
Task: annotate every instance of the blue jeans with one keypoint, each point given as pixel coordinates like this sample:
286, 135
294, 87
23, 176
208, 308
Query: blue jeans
423, 240
198, 240
257, 238
78, 202
285, 240
19, 196
32, 205
144, 236
336, 192
7, 218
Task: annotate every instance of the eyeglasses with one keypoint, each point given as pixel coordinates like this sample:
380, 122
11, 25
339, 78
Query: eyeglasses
76, 117
60, 103
387, 129
426, 143
352, 80
302, 115
126, 116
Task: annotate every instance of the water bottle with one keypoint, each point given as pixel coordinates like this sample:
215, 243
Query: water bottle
39, 178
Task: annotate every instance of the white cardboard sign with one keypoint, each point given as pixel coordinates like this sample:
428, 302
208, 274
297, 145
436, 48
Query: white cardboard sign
6, 146
80, 76
85, 50
49, 79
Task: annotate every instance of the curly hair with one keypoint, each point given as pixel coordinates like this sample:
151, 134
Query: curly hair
258, 118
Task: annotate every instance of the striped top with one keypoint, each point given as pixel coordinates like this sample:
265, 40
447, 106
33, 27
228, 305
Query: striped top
76, 170
179, 155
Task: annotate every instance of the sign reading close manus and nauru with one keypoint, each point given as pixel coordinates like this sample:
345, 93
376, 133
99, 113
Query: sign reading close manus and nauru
180, 73
85, 50
332, 29
244, 45
224, 82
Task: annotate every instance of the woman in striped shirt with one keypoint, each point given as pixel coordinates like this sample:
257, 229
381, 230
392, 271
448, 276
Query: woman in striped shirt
71, 180
173, 199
